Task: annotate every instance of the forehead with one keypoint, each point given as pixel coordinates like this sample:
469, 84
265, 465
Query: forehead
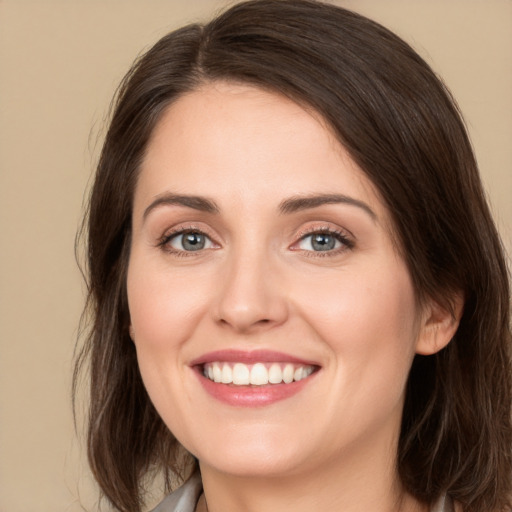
247, 145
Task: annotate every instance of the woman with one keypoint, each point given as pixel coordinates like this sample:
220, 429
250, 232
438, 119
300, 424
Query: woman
299, 298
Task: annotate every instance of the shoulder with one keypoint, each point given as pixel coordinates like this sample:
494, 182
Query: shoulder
183, 499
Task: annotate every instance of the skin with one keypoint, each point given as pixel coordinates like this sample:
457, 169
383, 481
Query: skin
258, 284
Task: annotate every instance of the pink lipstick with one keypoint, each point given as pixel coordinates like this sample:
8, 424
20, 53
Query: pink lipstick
251, 379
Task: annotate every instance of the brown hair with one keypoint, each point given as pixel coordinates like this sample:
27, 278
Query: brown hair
401, 126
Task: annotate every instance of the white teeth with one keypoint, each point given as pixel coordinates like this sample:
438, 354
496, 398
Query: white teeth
227, 374
217, 373
288, 373
275, 375
241, 374
258, 374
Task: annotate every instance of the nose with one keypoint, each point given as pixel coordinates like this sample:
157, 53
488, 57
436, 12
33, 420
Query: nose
251, 297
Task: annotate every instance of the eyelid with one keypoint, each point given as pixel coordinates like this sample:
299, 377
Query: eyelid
344, 236
174, 240
169, 234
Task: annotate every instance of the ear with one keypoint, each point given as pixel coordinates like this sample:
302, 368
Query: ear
132, 333
439, 325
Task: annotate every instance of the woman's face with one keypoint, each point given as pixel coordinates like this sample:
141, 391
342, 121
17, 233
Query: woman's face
262, 254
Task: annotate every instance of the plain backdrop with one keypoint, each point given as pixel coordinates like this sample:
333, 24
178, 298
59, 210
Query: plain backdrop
60, 62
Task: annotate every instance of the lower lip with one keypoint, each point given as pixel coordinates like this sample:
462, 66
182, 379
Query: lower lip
252, 396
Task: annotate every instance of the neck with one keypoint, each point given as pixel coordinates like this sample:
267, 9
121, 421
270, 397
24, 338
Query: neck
368, 481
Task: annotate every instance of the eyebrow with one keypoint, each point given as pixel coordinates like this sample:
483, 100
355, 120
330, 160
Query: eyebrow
195, 202
300, 203
291, 205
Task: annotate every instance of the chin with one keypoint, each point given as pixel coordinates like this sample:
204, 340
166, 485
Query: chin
261, 455
254, 465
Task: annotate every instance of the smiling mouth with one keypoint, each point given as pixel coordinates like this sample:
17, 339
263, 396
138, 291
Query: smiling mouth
258, 374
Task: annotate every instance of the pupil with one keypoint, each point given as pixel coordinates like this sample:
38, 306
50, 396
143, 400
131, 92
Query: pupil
193, 241
323, 242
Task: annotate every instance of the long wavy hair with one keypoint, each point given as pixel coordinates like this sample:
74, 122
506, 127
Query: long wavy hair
402, 127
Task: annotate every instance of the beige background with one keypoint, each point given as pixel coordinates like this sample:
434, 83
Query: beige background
60, 62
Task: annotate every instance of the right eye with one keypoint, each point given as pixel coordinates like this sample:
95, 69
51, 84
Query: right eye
187, 241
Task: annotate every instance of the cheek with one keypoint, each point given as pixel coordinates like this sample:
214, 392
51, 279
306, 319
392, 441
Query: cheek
368, 324
163, 304
368, 320
163, 307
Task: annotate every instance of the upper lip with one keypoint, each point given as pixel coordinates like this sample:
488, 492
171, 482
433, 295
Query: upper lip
249, 357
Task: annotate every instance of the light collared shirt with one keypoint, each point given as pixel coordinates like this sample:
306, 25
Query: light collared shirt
185, 498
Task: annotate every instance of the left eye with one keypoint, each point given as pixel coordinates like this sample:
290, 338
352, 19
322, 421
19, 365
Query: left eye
190, 241
320, 242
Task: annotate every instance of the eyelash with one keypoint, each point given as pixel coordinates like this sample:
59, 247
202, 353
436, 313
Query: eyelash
347, 243
163, 243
